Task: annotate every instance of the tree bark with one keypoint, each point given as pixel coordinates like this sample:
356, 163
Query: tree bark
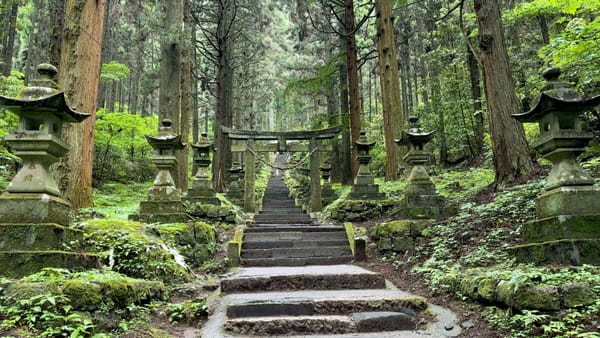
353, 86
509, 145
345, 146
186, 95
80, 72
390, 86
475, 80
9, 42
169, 104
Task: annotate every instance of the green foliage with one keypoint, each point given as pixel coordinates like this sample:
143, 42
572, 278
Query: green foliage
114, 71
47, 315
116, 200
9, 86
122, 153
187, 312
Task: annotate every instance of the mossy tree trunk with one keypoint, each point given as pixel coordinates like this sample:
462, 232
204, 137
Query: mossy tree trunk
79, 73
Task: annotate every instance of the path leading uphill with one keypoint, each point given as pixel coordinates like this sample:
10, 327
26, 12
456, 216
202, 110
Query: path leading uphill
296, 280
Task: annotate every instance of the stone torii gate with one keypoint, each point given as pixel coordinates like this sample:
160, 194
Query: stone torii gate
276, 141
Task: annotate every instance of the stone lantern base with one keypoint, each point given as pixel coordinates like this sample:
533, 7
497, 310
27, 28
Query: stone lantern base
34, 208
327, 194
567, 230
34, 234
366, 192
161, 212
423, 206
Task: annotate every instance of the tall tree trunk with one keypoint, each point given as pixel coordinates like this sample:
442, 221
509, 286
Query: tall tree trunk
345, 146
186, 94
169, 105
58, 23
511, 152
223, 157
390, 86
80, 72
475, 80
353, 86
11, 32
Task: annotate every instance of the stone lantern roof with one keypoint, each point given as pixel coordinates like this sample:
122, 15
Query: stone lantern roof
556, 96
165, 139
43, 95
203, 143
414, 135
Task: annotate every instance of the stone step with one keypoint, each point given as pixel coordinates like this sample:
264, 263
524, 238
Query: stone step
296, 261
333, 302
284, 217
314, 277
294, 235
291, 222
247, 245
308, 252
303, 228
287, 325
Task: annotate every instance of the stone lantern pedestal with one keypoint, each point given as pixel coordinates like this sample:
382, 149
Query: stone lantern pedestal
34, 218
164, 203
421, 199
364, 187
202, 190
567, 229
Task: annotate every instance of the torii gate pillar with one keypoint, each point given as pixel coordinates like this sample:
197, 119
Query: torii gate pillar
250, 167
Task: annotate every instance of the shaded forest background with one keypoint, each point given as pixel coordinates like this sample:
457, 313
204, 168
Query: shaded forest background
281, 65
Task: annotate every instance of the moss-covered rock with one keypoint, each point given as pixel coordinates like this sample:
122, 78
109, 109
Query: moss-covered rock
577, 294
226, 213
127, 247
195, 241
398, 235
353, 210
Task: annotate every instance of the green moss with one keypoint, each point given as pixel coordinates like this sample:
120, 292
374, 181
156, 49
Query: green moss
84, 295
195, 241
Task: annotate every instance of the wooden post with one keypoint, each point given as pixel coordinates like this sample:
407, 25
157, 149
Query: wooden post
315, 177
250, 167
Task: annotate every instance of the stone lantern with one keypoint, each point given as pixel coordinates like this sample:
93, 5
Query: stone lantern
364, 183
234, 192
568, 227
164, 197
33, 196
420, 198
327, 193
202, 190
34, 218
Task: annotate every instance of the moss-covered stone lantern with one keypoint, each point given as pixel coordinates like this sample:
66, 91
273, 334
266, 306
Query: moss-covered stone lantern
420, 198
34, 217
568, 211
32, 195
327, 193
234, 192
164, 197
202, 190
364, 183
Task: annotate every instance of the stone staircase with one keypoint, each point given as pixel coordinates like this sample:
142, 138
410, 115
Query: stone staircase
294, 284
283, 235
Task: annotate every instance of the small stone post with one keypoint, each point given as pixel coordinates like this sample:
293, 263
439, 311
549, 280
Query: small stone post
164, 198
567, 230
420, 198
34, 217
364, 187
202, 190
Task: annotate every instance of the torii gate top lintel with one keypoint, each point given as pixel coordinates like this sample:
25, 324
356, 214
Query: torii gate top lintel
325, 133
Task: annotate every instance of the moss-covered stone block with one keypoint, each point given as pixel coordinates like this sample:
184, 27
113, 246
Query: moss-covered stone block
34, 208
569, 200
539, 297
577, 294
44, 236
354, 210
398, 235
564, 251
562, 227
19, 263
196, 241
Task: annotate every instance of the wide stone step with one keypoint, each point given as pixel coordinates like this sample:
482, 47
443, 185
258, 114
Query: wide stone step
293, 235
309, 252
292, 244
280, 221
336, 302
314, 277
302, 228
283, 217
296, 261
287, 325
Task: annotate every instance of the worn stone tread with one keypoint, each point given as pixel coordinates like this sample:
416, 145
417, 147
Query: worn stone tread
290, 325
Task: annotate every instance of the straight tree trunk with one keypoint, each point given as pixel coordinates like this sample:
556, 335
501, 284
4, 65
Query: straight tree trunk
509, 145
186, 94
11, 32
80, 72
353, 86
58, 23
390, 86
475, 79
345, 153
169, 105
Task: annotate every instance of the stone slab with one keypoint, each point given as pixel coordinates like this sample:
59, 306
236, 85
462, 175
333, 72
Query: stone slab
564, 251
570, 200
16, 264
19, 208
561, 227
297, 261
383, 321
310, 277
285, 325
45, 236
